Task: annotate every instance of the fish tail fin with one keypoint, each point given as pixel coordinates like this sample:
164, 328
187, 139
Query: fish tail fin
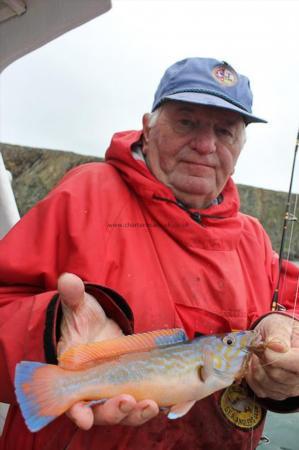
37, 392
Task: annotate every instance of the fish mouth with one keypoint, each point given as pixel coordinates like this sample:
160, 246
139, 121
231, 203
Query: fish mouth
258, 345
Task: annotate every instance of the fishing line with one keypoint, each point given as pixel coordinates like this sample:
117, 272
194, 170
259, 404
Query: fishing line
293, 219
52, 442
291, 237
252, 428
71, 438
296, 299
275, 306
283, 355
288, 217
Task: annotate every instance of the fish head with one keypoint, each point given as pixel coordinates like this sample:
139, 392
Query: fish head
227, 355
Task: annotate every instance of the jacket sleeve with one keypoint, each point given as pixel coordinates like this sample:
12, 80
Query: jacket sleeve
33, 254
288, 299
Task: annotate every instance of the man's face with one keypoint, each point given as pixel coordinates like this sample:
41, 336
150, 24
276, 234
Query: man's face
193, 149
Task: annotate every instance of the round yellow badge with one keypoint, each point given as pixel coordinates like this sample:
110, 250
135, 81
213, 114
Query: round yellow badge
239, 409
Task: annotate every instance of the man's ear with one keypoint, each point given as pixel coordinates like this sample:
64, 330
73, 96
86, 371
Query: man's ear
146, 130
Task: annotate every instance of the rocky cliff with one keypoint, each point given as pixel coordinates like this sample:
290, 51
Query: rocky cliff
36, 171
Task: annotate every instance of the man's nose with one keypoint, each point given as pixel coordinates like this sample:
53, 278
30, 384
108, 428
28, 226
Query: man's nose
203, 141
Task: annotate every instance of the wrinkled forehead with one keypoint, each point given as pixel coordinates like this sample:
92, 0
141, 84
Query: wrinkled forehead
202, 111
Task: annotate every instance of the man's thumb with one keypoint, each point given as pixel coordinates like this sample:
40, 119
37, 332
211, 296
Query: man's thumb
278, 332
71, 290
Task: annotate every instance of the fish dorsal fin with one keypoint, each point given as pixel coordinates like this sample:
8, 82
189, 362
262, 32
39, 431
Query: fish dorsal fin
84, 356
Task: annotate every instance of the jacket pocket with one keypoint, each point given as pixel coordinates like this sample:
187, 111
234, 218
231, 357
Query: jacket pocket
198, 320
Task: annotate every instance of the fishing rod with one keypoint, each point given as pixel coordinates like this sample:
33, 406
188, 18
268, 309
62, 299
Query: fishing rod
288, 217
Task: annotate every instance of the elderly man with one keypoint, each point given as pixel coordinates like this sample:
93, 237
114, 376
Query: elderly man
153, 236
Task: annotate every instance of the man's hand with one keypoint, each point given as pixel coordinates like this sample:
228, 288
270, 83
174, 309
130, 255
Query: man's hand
275, 374
83, 318
85, 321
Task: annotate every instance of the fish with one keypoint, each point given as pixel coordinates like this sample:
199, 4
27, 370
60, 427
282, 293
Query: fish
161, 365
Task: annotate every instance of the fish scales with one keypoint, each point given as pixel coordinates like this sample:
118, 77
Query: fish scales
176, 364
171, 361
172, 374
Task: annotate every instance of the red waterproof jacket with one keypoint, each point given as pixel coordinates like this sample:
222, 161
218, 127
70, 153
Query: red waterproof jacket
116, 226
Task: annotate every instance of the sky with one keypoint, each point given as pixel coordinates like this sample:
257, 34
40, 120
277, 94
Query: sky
75, 92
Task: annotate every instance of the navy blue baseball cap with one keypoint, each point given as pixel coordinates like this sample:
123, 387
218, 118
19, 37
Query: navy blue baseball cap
209, 82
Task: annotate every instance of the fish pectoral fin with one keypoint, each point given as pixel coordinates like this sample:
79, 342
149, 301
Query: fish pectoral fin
214, 383
179, 410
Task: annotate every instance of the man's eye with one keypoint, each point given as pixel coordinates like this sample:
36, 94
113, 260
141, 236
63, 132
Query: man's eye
186, 122
185, 125
225, 132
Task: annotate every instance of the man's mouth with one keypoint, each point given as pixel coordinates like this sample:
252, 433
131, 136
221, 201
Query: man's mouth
198, 164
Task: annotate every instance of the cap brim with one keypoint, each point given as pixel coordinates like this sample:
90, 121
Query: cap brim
201, 98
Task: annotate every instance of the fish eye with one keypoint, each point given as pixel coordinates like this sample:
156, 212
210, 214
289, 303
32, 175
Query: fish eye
229, 340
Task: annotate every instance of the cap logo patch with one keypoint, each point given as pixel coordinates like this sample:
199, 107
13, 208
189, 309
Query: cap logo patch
225, 75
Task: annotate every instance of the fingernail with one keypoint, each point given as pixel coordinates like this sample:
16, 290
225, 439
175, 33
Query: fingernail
125, 407
95, 402
277, 345
146, 413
